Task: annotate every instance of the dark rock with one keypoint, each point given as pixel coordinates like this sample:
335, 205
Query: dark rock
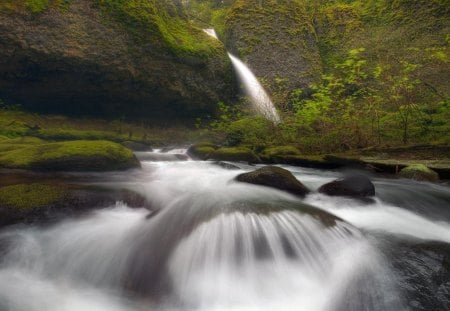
135, 146
422, 270
353, 185
274, 177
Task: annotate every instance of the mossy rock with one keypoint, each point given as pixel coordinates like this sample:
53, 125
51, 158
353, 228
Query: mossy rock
419, 172
237, 154
27, 196
280, 151
274, 177
201, 151
78, 155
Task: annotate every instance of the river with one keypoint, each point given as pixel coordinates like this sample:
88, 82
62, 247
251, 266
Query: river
215, 244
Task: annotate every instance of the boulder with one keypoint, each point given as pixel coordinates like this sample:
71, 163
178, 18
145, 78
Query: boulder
78, 155
353, 185
201, 151
274, 177
42, 202
419, 172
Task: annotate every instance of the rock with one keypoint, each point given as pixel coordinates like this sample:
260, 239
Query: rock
138, 59
353, 185
48, 202
276, 40
419, 172
274, 177
135, 146
238, 154
226, 165
201, 151
78, 155
280, 151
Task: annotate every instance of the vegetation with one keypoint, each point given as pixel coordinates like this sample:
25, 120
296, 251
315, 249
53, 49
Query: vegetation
79, 155
27, 196
385, 82
161, 22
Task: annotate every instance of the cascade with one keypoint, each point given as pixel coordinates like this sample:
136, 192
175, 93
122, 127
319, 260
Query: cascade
252, 87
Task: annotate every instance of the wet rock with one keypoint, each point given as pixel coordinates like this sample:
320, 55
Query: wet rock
419, 172
274, 177
39, 203
422, 271
354, 185
135, 146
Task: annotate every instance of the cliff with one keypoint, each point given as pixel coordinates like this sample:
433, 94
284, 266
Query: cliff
137, 58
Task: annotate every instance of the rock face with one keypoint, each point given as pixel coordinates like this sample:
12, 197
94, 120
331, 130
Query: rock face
355, 185
419, 172
139, 59
276, 39
274, 177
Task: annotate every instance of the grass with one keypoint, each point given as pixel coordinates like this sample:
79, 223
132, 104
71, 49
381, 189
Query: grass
27, 196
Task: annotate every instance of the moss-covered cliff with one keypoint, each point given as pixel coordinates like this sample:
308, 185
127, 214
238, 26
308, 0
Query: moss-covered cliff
137, 58
277, 39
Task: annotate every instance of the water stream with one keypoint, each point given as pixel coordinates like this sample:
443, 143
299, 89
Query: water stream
216, 244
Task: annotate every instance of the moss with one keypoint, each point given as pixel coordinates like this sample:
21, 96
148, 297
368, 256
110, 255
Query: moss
27, 196
70, 156
234, 154
280, 151
419, 172
201, 150
33, 6
160, 23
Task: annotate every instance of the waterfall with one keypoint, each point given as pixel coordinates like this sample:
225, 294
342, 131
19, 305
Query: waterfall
253, 89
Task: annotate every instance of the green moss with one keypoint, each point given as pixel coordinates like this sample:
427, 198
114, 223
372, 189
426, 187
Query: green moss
33, 6
158, 22
27, 196
419, 172
234, 154
71, 156
281, 150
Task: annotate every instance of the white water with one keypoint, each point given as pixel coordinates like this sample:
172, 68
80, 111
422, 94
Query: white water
214, 245
253, 89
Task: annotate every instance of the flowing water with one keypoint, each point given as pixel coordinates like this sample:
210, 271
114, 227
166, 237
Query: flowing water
215, 244
253, 89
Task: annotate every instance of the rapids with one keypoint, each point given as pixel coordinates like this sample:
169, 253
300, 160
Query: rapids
215, 244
